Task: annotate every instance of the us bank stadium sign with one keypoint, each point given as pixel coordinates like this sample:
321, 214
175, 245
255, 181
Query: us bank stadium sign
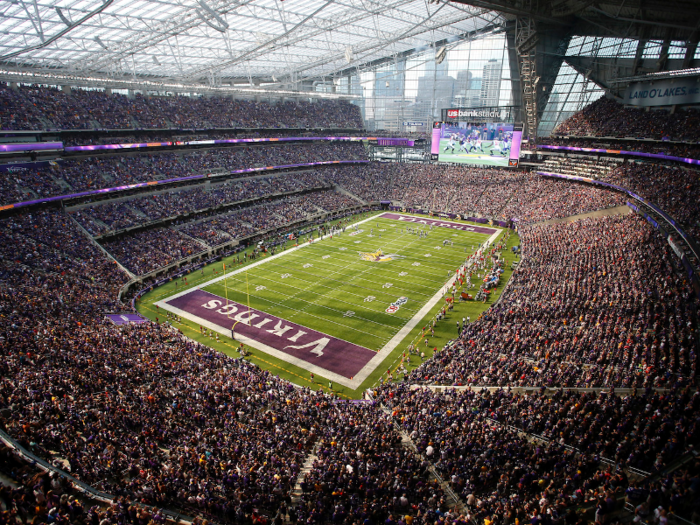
664, 92
485, 114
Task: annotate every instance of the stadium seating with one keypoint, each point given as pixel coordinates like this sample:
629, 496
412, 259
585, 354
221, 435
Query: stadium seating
152, 417
93, 173
581, 166
515, 456
683, 150
675, 190
582, 315
37, 108
608, 118
102, 218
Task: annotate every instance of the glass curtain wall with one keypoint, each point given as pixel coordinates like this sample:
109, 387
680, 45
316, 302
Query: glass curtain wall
407, 94
572, 91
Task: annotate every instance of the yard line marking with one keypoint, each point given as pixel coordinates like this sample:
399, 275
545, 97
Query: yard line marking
386, 350
389, 346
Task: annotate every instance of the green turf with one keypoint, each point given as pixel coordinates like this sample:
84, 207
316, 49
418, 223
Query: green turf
332, 295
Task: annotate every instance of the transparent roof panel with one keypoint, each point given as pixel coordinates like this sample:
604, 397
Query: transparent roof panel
652, 49
196, 39
602, 47
571, 93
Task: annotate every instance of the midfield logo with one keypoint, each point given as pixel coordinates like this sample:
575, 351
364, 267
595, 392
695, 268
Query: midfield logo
379, 256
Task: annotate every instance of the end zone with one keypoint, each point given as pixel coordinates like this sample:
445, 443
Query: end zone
333, 358
340, 361
440, 223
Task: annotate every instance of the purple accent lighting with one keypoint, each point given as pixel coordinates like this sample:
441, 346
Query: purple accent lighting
179, 179
395, 142
435, 144
623, 152
96, 147
515, 145
32, 146
136, 145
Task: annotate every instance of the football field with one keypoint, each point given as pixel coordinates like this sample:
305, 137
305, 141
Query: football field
341, 307
487, 158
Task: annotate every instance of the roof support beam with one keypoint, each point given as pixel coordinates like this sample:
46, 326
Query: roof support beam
59, 34
366, 47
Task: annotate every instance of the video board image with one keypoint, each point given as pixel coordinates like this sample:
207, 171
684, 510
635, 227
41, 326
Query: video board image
486, 144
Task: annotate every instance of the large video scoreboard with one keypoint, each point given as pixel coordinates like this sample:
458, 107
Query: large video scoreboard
480, 136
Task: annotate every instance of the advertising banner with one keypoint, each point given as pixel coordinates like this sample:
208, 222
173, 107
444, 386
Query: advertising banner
480, 114
668, 92
622, 152
31, 146
96, 147
395, 142
169, 181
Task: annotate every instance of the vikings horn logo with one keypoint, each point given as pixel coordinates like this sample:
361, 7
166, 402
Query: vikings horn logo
378, 256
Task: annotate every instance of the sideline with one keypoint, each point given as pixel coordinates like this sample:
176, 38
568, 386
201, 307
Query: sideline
412, 323
371, 365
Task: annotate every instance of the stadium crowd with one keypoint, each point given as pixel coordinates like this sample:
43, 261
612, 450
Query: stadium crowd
473, 191
51, 243
93, 173
152, 417
519, 457
96, 137
33, 496
101, 218
35, 108
363, 474
146, 250
608, 118
596, 303
683, 150
676, 190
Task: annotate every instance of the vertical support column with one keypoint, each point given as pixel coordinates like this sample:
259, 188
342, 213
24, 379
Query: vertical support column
690, 52
639, 53
663, 56
526, 45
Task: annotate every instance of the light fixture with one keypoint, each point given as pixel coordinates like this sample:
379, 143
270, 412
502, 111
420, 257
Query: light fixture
440, 55
63, 17
222, 24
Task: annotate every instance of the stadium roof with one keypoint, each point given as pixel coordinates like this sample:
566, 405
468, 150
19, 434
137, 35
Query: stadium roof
249, 41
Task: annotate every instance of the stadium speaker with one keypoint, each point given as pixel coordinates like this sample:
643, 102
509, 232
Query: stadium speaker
440, 55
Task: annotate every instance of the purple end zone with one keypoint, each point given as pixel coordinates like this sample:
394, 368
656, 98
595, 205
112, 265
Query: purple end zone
316, 348
120, 319
437, 222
